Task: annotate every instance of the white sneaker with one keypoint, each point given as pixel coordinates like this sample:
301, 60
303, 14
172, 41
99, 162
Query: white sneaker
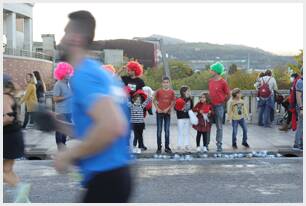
135, 150
204, 149
23, 191
198, 149
138, 151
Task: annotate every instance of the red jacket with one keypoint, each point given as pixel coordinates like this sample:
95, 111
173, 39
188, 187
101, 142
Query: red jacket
292, 103
202, 126
219, 91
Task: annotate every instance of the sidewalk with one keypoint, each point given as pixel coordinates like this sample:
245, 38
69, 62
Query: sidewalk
259, 138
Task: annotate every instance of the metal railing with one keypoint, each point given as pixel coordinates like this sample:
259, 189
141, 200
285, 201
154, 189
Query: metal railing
25, 53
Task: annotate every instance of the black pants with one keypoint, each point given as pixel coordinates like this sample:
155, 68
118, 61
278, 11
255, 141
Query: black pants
27, 116
138, 134
205, 138
109, 187
59, 137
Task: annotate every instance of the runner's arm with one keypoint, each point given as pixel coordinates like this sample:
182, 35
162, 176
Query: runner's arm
103, 133
64, 127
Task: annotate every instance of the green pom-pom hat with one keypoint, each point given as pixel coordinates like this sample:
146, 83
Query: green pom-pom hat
218, 68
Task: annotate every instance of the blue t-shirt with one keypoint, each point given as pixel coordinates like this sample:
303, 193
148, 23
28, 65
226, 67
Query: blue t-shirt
299, 87
90, 83
62, 89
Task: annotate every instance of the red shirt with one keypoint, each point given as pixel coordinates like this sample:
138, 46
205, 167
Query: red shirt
219, 91
202, 107
202, 126
164, 98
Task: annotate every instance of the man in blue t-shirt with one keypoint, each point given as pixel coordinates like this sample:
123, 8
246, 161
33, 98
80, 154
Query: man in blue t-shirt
101, 119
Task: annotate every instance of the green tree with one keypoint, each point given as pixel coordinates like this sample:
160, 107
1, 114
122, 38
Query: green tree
179, 69
299, 63
242, 79
282, 77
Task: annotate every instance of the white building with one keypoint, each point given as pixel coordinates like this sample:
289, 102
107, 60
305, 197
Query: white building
113, 56
18, 25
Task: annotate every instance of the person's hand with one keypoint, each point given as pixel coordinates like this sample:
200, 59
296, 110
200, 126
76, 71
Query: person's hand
62, 162
201, 111
7, 118
166, 110
159, 110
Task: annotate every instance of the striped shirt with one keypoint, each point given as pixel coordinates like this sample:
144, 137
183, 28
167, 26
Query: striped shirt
137, 113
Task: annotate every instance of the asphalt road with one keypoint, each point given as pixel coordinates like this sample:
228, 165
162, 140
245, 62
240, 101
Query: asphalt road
255, 180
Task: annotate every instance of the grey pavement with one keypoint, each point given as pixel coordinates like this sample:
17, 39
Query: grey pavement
259, 138
253, 180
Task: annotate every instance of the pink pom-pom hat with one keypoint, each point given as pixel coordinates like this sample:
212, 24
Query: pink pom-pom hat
63, 69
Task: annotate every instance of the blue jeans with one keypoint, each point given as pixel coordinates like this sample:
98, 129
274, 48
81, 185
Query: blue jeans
265, 108
59, 137
299, 131
219, 112
160, 118
243, 125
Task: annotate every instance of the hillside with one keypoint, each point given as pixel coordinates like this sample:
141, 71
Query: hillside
259, 59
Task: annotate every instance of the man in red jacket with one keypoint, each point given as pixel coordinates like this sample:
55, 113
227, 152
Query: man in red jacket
219, 94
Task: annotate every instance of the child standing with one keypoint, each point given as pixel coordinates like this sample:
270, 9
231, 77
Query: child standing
237, 114
203, 109
182, 106
164, 100
139, 102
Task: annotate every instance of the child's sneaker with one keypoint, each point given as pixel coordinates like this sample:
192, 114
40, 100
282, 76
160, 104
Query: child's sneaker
143, 148
199, 149
23, 191
135, 150
246, 145
158, 151
234, 146
138, 151
204, 149
168, 150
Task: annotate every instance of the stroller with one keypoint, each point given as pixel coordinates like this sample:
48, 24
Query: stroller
284, 102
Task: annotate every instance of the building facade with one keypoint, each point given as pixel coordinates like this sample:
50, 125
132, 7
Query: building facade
18, 25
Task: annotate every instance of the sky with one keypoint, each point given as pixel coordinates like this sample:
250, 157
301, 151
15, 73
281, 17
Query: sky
274, 27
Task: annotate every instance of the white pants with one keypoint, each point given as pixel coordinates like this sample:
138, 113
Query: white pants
183, 126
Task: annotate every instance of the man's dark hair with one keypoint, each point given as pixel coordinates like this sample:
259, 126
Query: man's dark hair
268, 73
294, 75
83, 22
166, 78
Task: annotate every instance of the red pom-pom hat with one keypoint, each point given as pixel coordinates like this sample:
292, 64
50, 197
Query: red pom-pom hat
136, 67
179, 104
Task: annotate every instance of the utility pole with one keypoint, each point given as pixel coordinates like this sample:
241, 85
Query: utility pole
166, 71
248, 61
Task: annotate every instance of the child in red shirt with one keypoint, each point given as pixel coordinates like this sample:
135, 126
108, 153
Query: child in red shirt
204, 110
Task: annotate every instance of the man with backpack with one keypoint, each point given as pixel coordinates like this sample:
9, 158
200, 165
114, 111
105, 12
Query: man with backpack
266, 87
